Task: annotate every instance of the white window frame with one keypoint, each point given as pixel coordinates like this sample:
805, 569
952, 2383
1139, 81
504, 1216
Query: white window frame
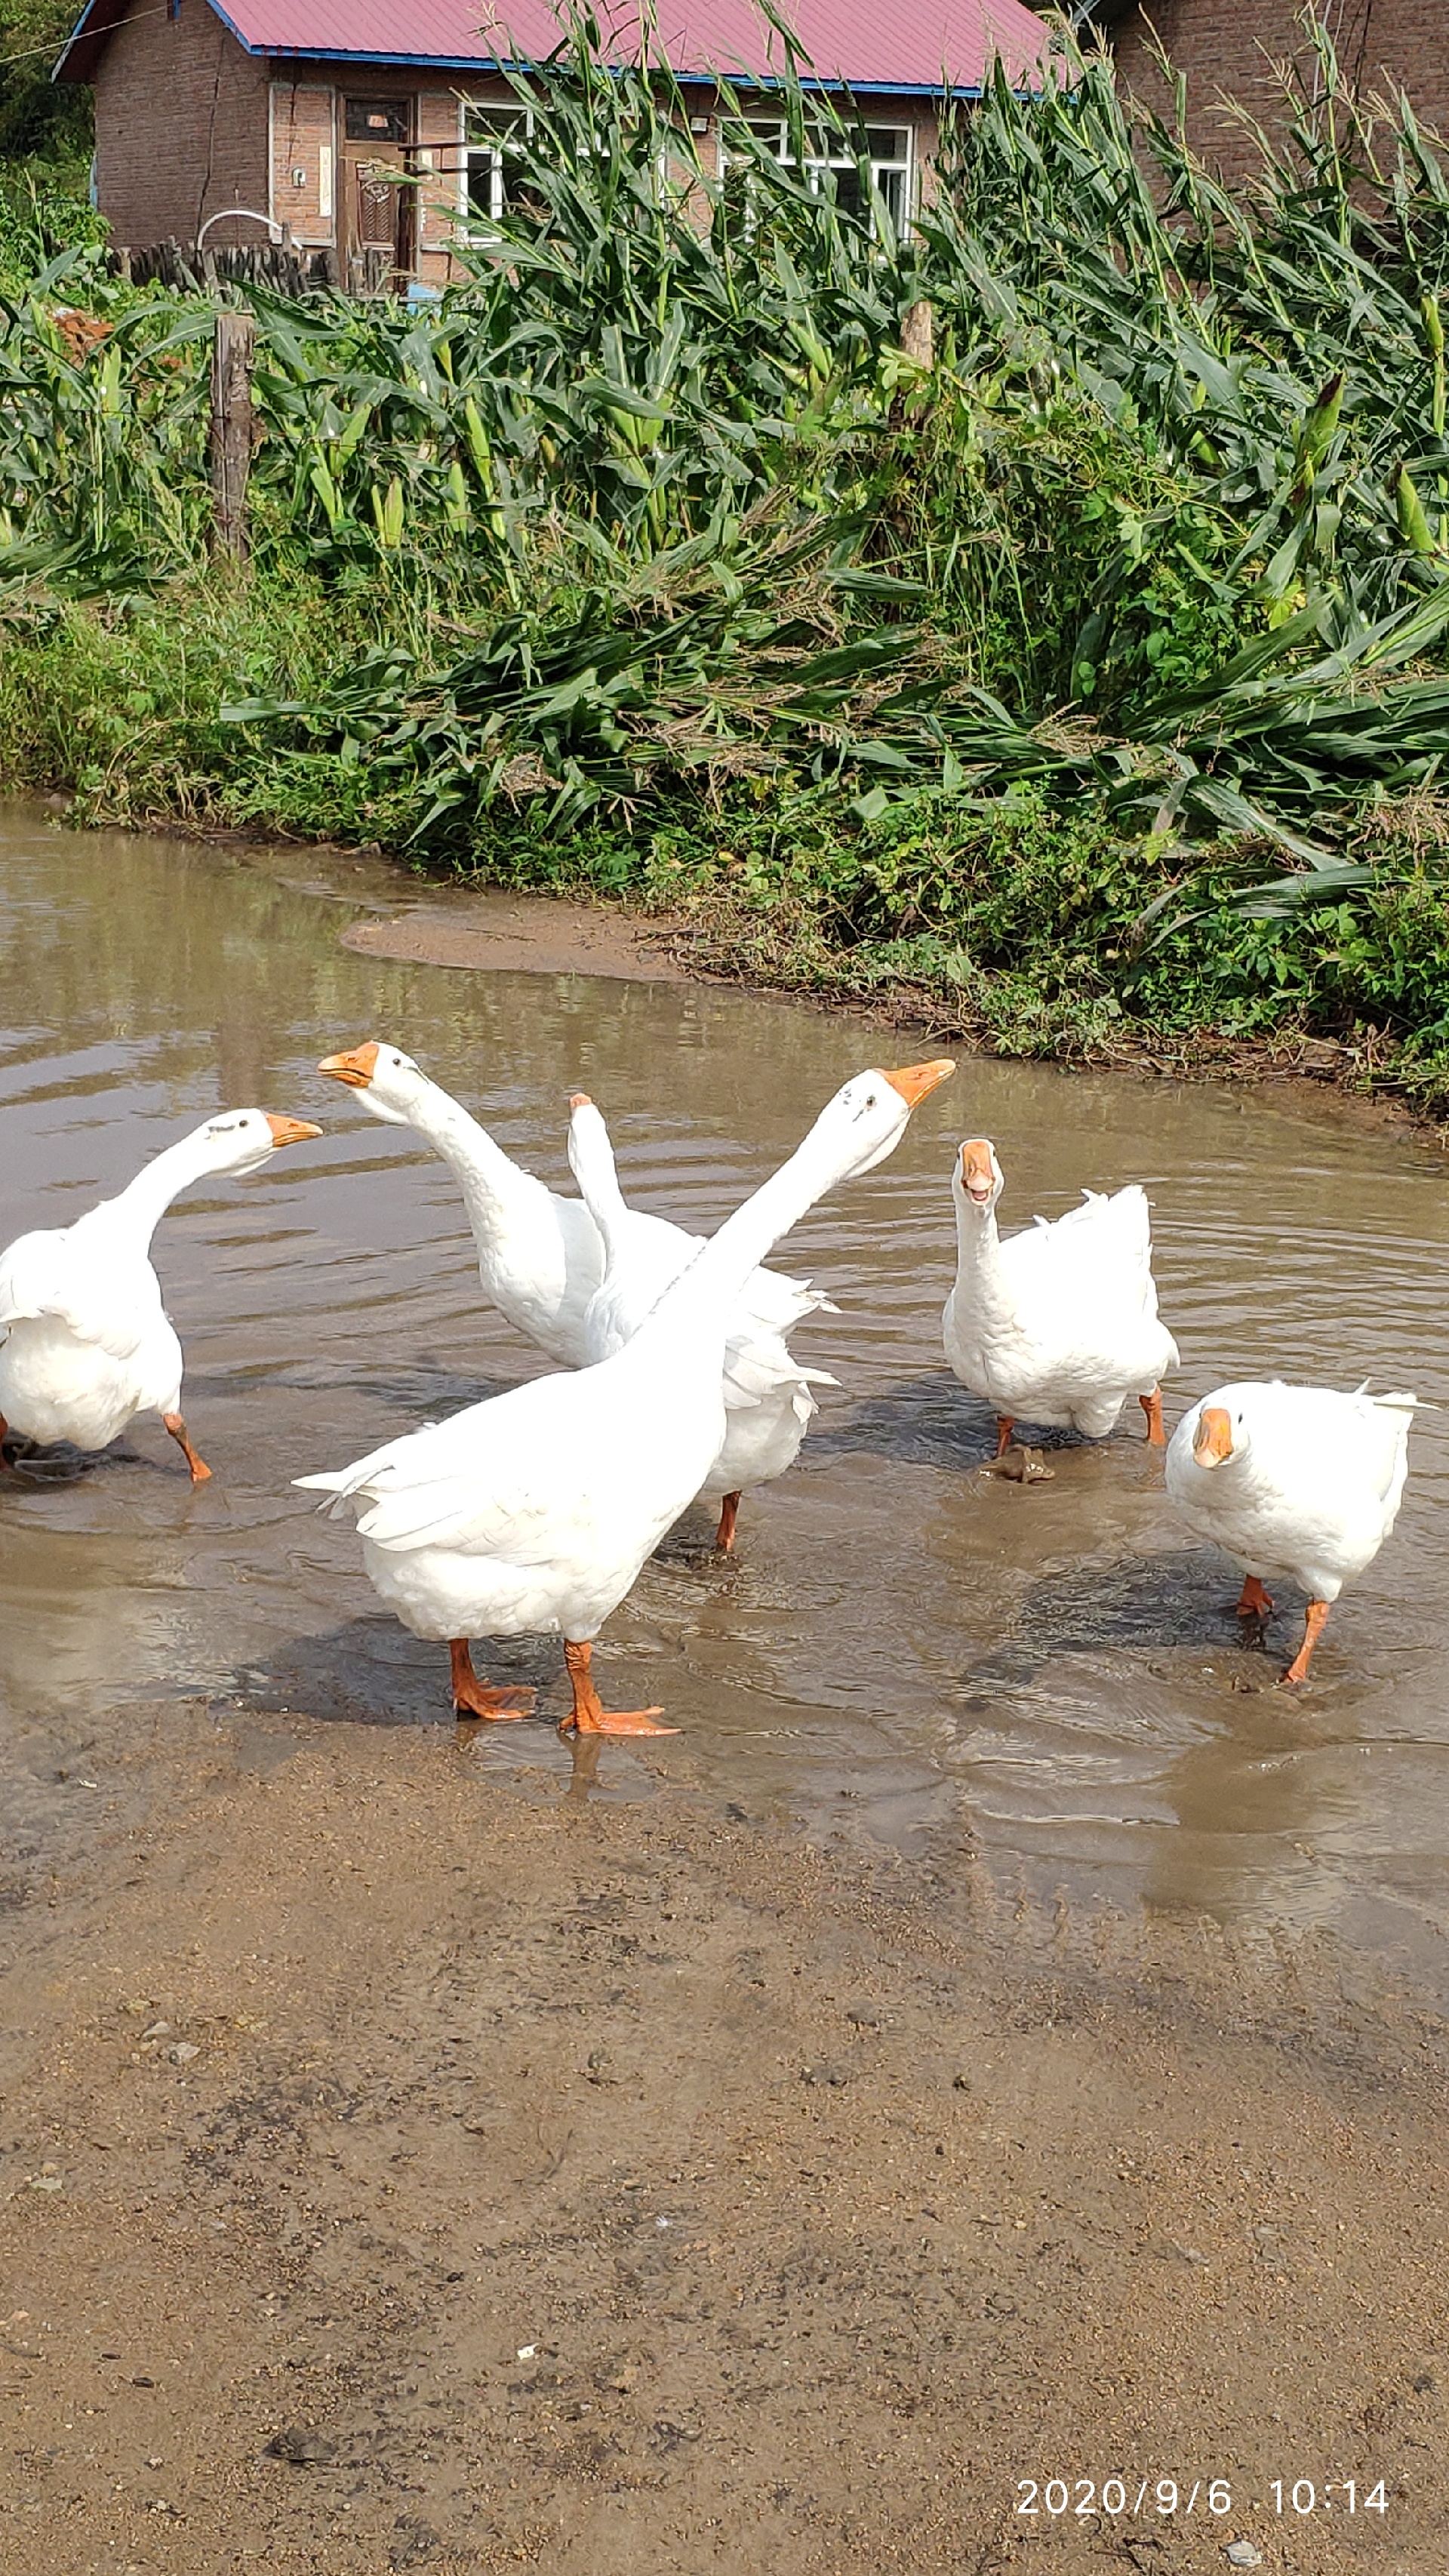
474, 228
816, 165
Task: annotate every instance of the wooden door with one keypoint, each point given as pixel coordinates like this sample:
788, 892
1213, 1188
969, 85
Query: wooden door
378, 207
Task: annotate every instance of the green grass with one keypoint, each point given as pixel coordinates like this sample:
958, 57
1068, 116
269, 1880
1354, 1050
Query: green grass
1015, 924
119, 706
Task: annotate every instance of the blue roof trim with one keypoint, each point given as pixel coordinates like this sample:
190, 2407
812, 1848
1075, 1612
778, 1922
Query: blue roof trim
82, 28
72, 40
740, 80
233, 29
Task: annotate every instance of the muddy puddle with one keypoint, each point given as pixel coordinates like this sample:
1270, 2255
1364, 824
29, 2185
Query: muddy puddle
908, 1655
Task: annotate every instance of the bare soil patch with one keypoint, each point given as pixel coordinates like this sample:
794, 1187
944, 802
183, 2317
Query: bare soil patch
535, 934
411, 2166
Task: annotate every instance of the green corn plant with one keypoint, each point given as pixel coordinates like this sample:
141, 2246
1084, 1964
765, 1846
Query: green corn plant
1413, 525
459, 514
323, 484
387, 511
661, 507
1434, 334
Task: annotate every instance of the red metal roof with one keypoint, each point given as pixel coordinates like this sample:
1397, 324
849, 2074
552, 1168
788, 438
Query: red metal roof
864, 44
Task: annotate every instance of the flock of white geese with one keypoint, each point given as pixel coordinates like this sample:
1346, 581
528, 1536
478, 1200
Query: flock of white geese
533, 1512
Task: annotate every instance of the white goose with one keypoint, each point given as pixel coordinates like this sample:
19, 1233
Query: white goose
768, 1402
533, 1512
539, 1255
1299, 1483
1058, 1324
86, 1343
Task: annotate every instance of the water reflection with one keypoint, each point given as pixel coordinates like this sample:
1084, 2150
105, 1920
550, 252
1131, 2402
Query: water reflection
907, 1649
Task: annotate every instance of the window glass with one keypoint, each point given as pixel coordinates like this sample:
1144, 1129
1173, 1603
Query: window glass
377, 120
892, 186
848, 191
834, 163
494, 168
482, 123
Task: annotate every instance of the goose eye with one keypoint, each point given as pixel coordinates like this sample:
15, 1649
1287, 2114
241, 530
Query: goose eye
870, 1100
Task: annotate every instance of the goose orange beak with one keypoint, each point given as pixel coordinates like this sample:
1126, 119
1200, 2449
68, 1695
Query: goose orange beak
356, 1068
580, 1100
977, 1177
913, 1081
291, 1131
1214, 1440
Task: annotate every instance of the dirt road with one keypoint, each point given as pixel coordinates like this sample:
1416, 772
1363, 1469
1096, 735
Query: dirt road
411, 2166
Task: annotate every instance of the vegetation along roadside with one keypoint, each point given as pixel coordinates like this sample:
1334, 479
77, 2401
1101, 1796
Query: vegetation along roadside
1083, 679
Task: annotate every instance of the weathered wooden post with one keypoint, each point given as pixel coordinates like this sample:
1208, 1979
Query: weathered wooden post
916, 334
232, 354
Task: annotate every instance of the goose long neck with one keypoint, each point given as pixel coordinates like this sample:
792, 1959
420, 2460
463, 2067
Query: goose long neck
491, 1184
978, 1243
138, 1209
591, 1160
704, 1294
978, 1254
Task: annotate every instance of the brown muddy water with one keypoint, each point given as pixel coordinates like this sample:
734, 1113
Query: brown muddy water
908, 1655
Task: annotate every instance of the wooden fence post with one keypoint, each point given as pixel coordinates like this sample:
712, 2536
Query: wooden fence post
916, 334
233, 350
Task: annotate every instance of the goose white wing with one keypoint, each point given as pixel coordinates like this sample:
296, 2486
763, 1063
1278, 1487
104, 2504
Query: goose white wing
1100, 1252
758, 1365
777, 1304
494, 1478
32, 1277
1103, 1237
1390, 1417
1359, 1437
1294, 1423
41, 1275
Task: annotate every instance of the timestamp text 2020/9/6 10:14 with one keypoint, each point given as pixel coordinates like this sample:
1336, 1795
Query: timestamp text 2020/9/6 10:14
1129, 2497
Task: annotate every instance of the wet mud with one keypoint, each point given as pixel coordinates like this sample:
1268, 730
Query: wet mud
998, 2039
507, 933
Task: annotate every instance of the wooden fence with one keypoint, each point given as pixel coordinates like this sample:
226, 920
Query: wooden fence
182, 265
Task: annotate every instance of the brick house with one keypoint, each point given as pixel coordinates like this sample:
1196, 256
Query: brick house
371, 129
1227, 49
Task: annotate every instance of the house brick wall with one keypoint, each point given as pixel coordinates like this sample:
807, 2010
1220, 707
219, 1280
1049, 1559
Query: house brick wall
304, 161
440, 198
187, 123
181, 128
1228, 48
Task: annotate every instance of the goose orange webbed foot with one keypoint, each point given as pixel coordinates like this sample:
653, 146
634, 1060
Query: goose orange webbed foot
1314, 1623
1253, 1601
200, 1472
588, 1713
472, 1698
